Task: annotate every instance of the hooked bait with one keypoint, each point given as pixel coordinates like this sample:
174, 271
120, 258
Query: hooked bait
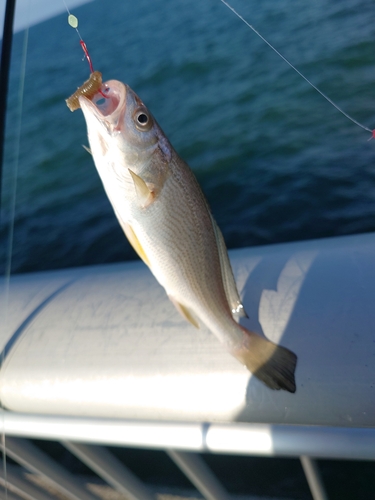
90, 87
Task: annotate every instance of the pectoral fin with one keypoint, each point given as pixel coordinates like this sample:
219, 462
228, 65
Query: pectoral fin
144, 193
230, 286
185, 312
133, 240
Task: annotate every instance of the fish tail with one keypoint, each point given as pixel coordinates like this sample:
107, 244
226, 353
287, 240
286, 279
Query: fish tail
274, 365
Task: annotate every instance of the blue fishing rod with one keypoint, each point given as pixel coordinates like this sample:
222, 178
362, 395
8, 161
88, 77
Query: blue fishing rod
6, 50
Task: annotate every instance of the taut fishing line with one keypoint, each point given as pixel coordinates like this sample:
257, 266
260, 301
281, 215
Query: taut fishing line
12, 210
73, 22
94, 84
372, 132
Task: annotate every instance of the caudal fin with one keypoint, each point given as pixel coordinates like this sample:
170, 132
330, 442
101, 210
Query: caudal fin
272, 364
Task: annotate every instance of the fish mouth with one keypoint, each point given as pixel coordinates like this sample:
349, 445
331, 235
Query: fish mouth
107, 106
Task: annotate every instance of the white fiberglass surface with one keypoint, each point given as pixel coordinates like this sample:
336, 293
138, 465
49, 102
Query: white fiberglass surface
276, 163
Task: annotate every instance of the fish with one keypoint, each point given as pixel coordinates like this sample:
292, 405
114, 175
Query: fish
163, 212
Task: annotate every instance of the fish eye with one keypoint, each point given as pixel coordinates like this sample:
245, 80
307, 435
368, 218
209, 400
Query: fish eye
143, 120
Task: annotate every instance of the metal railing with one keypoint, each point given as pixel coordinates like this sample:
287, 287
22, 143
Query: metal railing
183, 442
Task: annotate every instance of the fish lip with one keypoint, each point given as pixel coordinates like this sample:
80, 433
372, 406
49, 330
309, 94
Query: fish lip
108, 110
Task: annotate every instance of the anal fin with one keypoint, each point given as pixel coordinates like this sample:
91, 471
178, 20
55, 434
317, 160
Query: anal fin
185, 312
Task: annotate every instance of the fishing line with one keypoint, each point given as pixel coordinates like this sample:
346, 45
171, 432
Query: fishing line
372, 132
94, 83
4, 81
72, 20
12, 212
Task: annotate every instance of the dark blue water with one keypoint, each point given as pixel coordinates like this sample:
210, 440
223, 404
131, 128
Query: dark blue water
276, 161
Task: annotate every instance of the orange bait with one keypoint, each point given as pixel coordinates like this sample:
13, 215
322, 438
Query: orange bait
91, 87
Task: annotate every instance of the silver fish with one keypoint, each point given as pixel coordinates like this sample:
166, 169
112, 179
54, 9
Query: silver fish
164, 214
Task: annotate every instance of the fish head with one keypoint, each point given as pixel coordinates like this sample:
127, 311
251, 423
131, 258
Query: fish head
123, 133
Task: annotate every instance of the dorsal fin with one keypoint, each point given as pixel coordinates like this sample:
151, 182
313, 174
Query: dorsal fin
230, 286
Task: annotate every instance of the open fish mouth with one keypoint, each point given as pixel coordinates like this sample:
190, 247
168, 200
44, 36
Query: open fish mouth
107, 105
110, 98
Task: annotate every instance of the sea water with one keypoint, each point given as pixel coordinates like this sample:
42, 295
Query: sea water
275, 160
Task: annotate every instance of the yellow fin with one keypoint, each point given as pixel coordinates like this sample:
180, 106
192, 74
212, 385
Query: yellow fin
184, 311
133, 240
145, 195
